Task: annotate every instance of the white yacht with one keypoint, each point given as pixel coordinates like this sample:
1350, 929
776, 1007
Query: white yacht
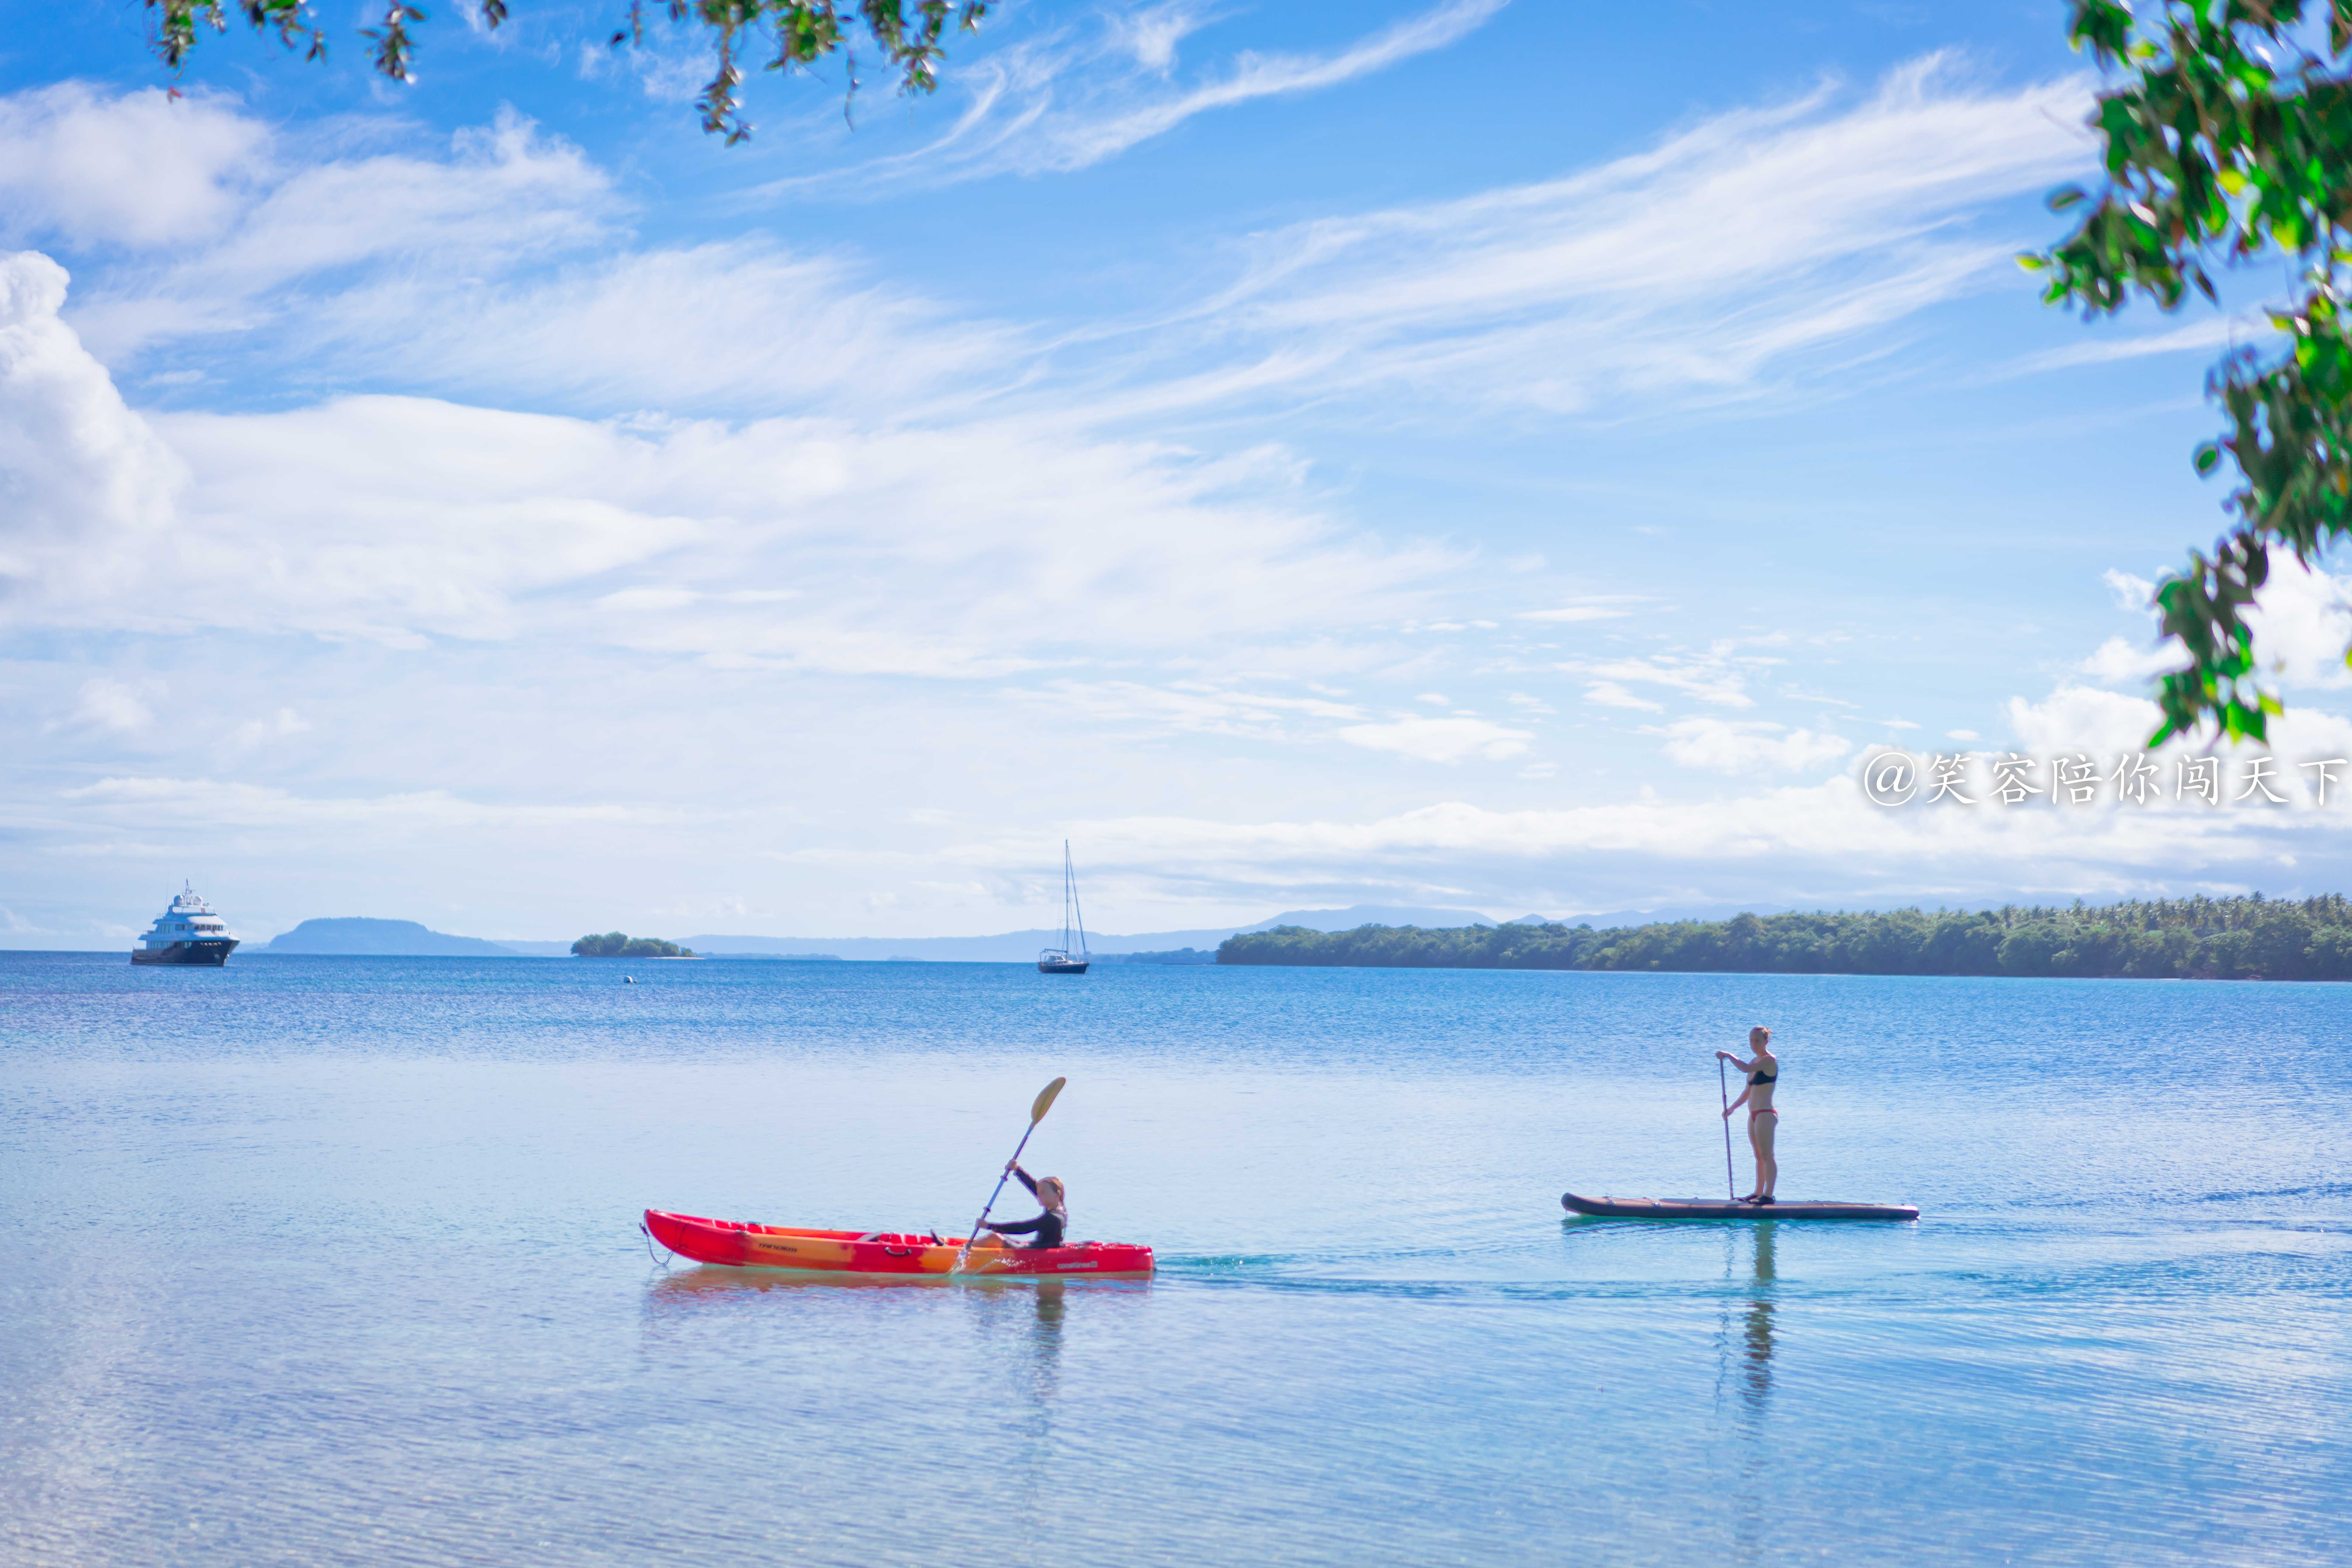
1066, 959
189, 931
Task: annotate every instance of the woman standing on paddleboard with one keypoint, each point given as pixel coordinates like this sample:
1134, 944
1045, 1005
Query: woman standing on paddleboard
1763, 1122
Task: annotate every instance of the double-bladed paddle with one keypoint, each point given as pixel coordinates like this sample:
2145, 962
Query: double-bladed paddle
1043, 1103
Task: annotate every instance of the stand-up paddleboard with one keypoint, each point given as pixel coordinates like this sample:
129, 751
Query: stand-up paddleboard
1720, 1208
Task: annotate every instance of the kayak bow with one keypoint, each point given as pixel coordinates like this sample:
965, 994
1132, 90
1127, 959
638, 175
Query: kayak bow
1717, 1208
740, 1245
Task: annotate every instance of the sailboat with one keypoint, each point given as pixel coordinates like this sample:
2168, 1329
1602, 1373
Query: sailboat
1065, 960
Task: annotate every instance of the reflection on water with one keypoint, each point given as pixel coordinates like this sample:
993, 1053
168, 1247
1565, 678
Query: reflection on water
1755, 1371
1745, 1364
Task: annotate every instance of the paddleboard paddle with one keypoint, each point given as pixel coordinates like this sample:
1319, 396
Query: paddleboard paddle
1723, 1093
1043, 1103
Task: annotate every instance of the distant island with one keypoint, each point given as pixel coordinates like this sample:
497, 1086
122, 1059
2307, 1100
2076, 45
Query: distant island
2167, 939
620, 944
360, 936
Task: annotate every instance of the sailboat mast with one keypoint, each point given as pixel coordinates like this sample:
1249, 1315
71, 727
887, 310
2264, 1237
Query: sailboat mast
1070, 870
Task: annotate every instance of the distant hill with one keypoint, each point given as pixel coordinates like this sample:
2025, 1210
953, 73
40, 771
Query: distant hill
357, 935
1022, 946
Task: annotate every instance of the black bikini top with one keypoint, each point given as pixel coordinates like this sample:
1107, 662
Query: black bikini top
1759, 1078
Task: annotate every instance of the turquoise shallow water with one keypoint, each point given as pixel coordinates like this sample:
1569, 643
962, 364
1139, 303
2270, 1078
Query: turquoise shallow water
328, 1261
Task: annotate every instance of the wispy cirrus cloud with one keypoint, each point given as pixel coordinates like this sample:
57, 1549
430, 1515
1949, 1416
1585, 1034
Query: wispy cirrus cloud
1712, 267
1068, 100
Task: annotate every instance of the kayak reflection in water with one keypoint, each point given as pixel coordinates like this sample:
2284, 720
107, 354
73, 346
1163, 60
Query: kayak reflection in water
1046, 1228
1763, 1122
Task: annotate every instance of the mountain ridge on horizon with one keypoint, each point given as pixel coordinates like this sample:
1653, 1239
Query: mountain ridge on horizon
358, 935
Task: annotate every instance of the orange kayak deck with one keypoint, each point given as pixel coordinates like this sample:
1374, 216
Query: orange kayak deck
740, 1246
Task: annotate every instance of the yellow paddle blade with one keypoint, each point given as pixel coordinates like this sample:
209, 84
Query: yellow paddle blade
1046, 1101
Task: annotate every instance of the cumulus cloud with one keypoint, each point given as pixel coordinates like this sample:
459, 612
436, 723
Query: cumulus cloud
1732, 746
142, 168
2118, 662
1440, 740
86, 486
392, 518
122, 706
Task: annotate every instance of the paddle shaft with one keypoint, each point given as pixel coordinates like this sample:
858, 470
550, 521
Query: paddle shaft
999, 1193
1037, 1109
1722, 1093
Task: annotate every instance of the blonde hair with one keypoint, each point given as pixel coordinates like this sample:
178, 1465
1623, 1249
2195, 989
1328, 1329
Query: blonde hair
1050, 1193
1759, 1034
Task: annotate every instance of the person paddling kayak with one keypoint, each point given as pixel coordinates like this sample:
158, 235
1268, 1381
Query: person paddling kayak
1763, 1122
1048, 1227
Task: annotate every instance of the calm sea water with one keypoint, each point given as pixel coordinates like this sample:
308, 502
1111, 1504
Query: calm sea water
335, 1260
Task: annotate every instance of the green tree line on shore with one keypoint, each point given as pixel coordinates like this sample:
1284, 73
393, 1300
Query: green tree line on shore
620, 944
2190, 938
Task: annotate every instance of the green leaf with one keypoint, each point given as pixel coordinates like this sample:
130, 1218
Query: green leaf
2208, 457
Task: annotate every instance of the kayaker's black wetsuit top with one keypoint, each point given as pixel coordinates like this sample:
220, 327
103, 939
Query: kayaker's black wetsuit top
1047, 1226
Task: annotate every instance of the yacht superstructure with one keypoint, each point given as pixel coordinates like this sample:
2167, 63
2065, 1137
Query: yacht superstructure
189, 930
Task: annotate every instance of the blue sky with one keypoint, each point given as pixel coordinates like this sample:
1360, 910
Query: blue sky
1519, 456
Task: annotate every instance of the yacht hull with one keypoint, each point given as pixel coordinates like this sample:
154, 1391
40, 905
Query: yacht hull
1063, 966
209, 953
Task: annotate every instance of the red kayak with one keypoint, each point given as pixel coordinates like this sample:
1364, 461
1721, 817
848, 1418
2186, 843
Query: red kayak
742, 1246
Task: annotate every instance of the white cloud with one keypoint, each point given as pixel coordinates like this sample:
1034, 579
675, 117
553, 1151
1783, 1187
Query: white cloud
1961, 735
1059, 103
1440, 740
1151, 33
2118, 661
2138, 593
1719, 676
2301, 625
808, 544
685, 330
2217, 332
1611, 607
1821, 840
2081, 718
1583, 292
500, 197
229, 804
1610, 694
88, 487
139, 169
1733, 746
260, 732
1195, 708
122, 706
2107, 725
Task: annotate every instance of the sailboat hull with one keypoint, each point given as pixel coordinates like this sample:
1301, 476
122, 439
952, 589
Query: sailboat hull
1062, 965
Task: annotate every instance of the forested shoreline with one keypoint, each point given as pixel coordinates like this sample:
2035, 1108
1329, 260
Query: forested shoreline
2186, 939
